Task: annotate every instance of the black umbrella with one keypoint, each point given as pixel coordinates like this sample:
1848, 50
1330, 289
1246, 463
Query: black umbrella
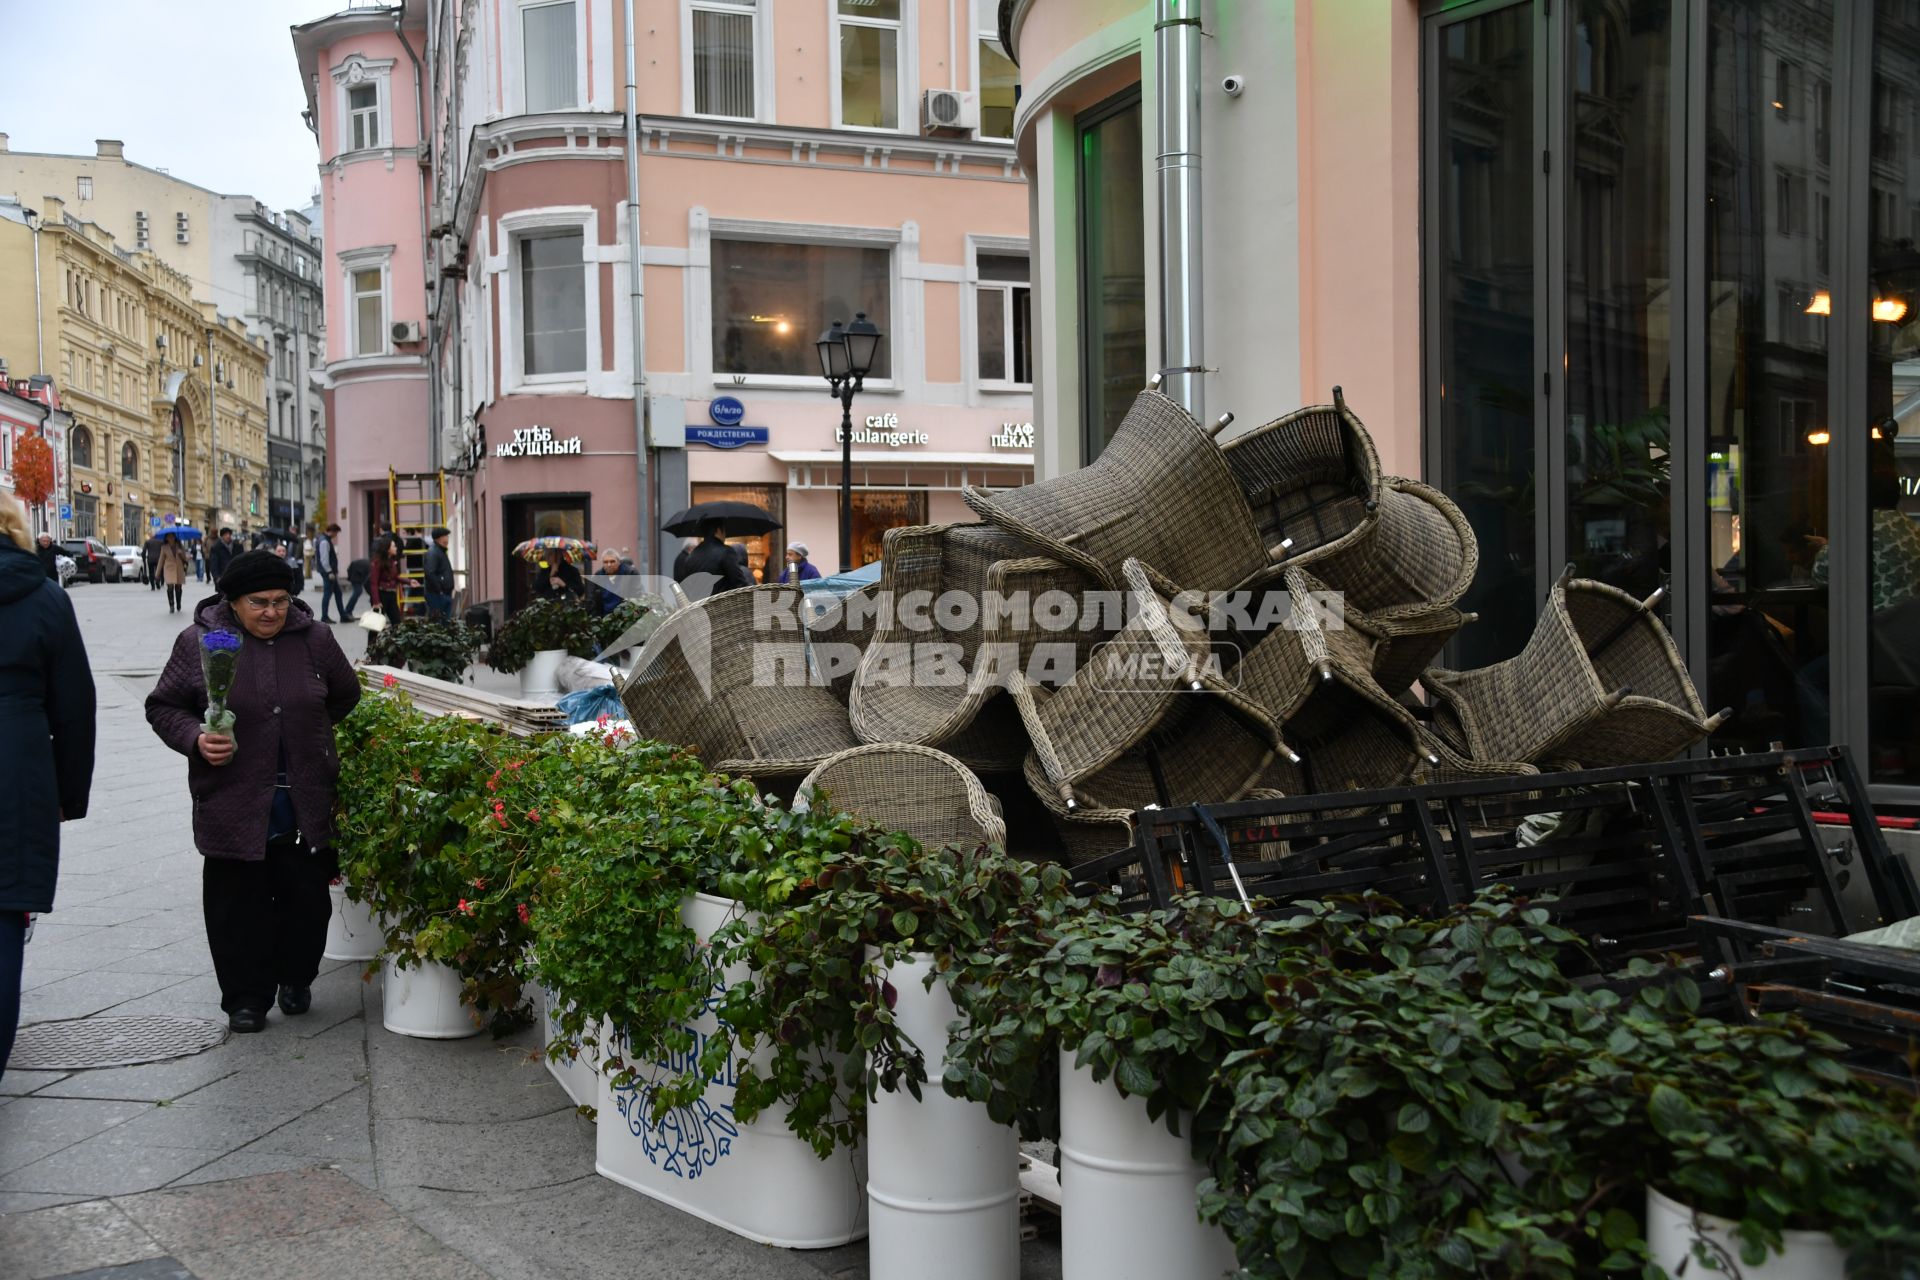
739, 518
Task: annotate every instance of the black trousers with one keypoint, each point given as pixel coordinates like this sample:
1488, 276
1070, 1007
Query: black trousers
173, 596
267, 921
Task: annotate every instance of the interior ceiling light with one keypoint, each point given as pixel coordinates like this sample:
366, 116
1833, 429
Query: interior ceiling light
1818, 437
1889, 310
1822, 304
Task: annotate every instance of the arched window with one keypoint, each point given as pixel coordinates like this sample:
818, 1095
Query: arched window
253, 508
82, 447
226, 491
129, 462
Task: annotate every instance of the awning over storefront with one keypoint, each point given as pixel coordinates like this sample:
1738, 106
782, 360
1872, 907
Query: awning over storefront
881, 469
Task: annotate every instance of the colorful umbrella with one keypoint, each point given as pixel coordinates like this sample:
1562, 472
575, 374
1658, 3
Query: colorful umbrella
577, 550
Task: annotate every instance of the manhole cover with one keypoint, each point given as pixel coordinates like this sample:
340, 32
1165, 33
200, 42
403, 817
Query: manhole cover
111, 1042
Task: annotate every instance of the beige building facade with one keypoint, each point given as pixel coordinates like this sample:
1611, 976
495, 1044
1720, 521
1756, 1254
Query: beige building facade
156, 381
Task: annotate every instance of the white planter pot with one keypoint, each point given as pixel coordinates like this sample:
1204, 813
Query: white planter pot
580, 1074
541, 675
423, 1001
756, 1180
1128, 1191
1672, 1229
943, 1185
352, 933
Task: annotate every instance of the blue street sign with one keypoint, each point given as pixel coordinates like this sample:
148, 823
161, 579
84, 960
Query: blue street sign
726, 437
66, 511
727, 411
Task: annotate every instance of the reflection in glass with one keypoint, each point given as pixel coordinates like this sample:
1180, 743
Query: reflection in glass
869, 77
1113, 291
766, 552
1765, 279
1483, 351
770, 301
998, 96
553, 303
1891, 518
1619, 278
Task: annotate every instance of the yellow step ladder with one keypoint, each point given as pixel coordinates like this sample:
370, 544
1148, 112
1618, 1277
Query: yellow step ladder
417, 505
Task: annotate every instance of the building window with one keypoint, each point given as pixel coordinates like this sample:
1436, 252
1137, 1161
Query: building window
770, 301
766, 552
1113, 266
996, 78
80, 446
869, 63
363, 116
86, 516
1003, 318
369, 311
553, 303
1790, 200
877, 510
226, 492
549, 59
253, 501
129, 462
723, 39
84, 184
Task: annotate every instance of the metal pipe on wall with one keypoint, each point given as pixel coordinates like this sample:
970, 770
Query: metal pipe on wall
645, 462
1176, 39
424, 162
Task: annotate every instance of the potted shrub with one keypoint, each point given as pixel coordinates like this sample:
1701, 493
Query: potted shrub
629, 626
533, 641
430, 646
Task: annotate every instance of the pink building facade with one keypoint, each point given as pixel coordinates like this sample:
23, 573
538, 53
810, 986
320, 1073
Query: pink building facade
790, 174
362, 73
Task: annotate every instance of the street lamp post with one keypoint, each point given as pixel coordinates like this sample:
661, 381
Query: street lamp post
846, 357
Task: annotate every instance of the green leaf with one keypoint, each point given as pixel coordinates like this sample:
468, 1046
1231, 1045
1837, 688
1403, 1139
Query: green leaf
1671, 1113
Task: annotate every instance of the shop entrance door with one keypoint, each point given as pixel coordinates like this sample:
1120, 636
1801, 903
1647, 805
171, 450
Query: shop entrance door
538, 515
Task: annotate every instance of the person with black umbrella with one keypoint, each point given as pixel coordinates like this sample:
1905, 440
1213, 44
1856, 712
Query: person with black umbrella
714, 558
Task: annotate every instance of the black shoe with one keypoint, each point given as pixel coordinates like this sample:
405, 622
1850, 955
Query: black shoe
295, 1001
247, 1020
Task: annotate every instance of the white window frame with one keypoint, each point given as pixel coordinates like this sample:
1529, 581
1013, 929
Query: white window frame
703, 230
83, 186
906, 74
355, 70
763, 78
514, 37
355, 114
351, 263
993, 246
505, 268
986, 26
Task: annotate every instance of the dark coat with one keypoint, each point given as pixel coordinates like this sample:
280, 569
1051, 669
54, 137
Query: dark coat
606, 601
717, 559
219, 556
49, 557
46, 728
297, 685
359, 571
326, 556
437, 578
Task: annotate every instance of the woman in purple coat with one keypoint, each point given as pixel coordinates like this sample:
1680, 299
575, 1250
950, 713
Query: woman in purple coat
263, 792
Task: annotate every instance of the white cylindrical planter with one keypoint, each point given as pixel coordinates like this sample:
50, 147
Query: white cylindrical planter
1128, 1191
943, 1180
423, 1001
756, 1180
351, 931
579, 1075
542, 673
1672, 1229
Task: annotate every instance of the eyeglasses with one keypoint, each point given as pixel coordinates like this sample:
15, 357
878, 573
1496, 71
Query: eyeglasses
264, 604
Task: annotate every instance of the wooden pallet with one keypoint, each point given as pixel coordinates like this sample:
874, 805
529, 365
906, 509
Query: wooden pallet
519, 716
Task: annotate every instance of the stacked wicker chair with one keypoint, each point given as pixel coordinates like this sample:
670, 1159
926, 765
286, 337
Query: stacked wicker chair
891, 705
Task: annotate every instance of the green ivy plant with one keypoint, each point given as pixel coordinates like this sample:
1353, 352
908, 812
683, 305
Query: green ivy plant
641, 615
440, 648
559, 623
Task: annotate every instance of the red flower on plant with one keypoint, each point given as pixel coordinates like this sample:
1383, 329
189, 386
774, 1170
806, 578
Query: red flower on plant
533, 814
387, 681
466, 908
515, 764
522, 909
493, 783
479, 883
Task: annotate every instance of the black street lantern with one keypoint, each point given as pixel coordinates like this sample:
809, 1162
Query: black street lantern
847, 353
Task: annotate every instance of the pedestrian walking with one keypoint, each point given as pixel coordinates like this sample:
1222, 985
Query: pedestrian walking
199, 563
326, 563
713, 561
263, 795
384, 582
150, 560
799, 568
437, 579
220, 555
173, 570
49, 557
46, 736
358, 574
612, 565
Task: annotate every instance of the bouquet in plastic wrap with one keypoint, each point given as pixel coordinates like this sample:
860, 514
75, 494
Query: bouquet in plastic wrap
219, 656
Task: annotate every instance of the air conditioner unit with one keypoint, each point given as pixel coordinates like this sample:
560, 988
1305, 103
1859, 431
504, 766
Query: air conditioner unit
448, 256
181, 237
948, 111
406, 331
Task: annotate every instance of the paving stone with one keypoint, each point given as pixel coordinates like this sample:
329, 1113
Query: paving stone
392, 1250
101, 1167
31, 977
16, 1083
70, 1238
336, 1130
27, 1201
146, 1269
248, 1211
148, 1082
37, 1127
213, 1128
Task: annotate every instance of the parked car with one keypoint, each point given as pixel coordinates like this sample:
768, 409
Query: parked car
93, 558
68, 569
131, 562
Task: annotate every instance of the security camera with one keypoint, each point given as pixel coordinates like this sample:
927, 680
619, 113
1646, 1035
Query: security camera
1233, 86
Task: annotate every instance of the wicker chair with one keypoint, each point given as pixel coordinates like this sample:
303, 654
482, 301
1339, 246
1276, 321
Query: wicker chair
1161, 491
722, 677
1147, 720
925, 793
1600, 682
838, 637
1312, 481
927, 683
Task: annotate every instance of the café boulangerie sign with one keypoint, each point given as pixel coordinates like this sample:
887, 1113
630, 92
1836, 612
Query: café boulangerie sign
536, 442
1013, 435
882, 428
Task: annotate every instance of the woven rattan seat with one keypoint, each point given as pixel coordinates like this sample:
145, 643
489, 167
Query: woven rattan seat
728, 677
952, 633
1160, 491
838, 637
901, 787
1311, 480
1600, 683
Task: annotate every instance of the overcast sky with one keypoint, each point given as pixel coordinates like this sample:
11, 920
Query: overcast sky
206, 89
